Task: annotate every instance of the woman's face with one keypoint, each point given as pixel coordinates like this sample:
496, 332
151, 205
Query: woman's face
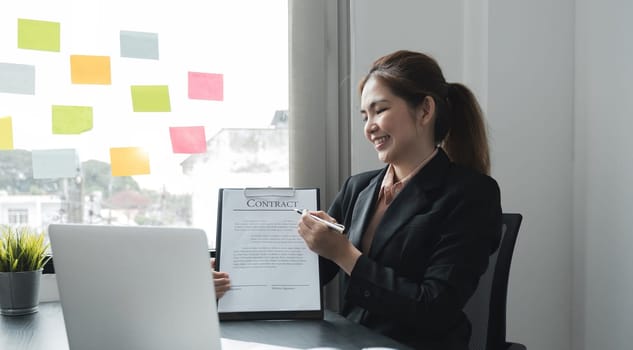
391, 125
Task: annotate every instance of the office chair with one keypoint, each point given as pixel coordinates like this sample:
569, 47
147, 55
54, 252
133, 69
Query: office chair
486, 309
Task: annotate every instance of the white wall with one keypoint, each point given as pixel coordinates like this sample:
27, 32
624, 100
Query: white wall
530, 110
604, 168
518, 56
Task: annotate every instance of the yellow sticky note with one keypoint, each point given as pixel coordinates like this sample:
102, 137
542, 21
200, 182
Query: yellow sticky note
150, 98
127, 161
90, 69
6, 133
71, 119
38, 35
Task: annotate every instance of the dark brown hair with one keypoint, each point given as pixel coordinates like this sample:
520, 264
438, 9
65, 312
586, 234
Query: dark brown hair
459, 123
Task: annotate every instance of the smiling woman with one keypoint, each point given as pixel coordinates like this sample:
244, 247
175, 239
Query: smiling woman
419, 231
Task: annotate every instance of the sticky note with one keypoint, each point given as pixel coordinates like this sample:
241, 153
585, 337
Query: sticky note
71, 119
38, 35
206, 86
188, 139
6, 133
127, 161
55, 163
17, 78
90, 69
150, 98
139, 45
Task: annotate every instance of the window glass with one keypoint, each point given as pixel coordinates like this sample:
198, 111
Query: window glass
137, 112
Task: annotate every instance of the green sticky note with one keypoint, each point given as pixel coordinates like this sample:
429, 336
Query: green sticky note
150, 98
71, 119
38, 35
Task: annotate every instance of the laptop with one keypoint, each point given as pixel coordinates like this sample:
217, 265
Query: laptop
124, 287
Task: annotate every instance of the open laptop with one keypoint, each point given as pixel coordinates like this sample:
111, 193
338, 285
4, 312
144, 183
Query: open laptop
124, 287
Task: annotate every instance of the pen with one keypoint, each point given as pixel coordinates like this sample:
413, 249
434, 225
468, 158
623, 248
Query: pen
337, 227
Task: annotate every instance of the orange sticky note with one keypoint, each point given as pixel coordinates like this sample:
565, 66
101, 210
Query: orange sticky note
90, 69
188, 139
127, 161
6, 133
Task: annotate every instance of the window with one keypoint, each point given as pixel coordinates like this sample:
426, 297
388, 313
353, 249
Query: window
136, 112
18, 216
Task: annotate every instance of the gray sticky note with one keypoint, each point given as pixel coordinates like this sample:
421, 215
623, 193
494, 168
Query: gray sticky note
139, 45
55, 163
17, 78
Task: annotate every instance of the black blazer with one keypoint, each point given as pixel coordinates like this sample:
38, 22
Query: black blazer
427, 255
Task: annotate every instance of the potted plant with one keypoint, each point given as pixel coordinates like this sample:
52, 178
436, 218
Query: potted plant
23, 253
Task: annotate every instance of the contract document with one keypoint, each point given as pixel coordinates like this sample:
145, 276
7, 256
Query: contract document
273, 273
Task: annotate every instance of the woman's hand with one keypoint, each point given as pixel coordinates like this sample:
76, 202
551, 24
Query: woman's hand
221, 281
327, 242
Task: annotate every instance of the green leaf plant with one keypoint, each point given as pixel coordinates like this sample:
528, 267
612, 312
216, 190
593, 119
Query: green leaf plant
22, 249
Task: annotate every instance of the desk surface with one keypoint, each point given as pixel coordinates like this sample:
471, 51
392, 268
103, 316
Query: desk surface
45, 330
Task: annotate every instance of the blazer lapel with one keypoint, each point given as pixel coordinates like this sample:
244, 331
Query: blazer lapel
411, 200
363, 209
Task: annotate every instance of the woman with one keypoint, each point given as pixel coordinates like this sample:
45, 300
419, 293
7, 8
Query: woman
419, 230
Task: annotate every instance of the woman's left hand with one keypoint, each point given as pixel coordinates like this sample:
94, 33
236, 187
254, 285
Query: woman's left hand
221, 281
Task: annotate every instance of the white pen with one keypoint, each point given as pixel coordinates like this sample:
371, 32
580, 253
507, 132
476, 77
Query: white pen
337, 227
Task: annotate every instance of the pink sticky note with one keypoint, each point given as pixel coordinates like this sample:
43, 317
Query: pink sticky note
206, 86
188, 139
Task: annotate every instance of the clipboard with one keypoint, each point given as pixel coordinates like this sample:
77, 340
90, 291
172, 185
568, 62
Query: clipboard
273, 274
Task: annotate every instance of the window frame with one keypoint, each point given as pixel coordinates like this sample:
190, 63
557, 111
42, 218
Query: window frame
320, 102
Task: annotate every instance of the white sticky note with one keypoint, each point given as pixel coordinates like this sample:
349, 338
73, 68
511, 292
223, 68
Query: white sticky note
55, 163
17, 78
139, 45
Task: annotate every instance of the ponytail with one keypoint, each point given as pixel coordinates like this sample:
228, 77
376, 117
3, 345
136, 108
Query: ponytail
465, 141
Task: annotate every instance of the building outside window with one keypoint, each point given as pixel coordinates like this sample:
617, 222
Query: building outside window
18, 216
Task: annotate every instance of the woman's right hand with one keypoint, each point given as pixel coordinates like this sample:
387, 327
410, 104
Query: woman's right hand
221, 281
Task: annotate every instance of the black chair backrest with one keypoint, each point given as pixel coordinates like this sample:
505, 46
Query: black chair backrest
486, 309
